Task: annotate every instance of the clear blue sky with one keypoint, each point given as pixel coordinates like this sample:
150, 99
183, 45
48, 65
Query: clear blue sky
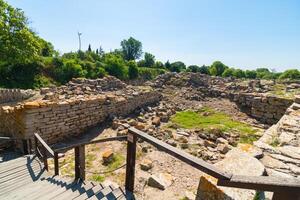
241, 33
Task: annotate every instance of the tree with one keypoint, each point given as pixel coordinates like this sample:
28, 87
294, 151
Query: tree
101, 51
228, 72
217, 68
133, 71
47, 49
97, 51
251, 74
238, 73
204, 69
19, 44
290, 74
149, 59
168, 65
131, 49
193, 68
115, 66
158, 65
178, 66
89, 48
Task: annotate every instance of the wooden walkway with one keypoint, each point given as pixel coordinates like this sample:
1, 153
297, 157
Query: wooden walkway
25, 178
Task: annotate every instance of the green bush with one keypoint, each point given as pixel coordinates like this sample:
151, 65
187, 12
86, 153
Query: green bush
133, 71
115, 66
290, 74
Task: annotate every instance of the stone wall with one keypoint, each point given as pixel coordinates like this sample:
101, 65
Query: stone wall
265, 108
12, 95
56, 120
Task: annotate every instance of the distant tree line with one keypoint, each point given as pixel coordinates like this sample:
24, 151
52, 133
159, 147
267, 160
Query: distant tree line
28, 61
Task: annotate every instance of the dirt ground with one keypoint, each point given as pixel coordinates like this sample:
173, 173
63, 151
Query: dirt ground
185, 178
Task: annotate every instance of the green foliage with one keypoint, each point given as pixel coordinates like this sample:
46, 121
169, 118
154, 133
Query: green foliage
238, 73
168, 65
150, 73
290, 74
115, 66
251, 74
117, 160
228, 72
19, 44
217, 68
204, 69
20, 75
149, 60
133, 71
131, 49
193, 68
177, 66
98, 178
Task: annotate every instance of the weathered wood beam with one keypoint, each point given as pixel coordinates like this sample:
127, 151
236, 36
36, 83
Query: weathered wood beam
130, 162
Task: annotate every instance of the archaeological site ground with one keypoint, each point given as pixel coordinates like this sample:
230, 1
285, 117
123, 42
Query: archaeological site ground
247, 128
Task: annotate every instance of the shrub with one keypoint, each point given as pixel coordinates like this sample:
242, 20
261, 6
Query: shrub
115, 66
133, 71
290, 74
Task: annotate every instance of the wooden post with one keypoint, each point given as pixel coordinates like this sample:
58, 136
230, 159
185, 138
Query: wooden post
25, 147
30, 146
56, 165
80, 162
44, 152
130, 162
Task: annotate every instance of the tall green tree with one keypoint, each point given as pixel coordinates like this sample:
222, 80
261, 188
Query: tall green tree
133, 71
89, 48
131, 49
217, 68
18, 43
178, 66
149, 59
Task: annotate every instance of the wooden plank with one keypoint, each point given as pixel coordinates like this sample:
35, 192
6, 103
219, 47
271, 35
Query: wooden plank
183, 156
263, 183
18, 165
16, 170
117, 138
130, 162
89, 193
19, 174
59, 190
74, 191
102, 193
45, 145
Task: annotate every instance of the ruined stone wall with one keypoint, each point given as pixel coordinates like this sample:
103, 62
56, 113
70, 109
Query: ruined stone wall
12, 95
56, 120
267, 109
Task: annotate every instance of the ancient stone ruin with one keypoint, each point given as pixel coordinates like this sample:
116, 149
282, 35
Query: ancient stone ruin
72, 110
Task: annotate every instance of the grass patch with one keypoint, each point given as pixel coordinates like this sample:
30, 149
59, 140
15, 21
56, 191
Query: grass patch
275, 142
98, 178
280, 90
117, 160
207, 119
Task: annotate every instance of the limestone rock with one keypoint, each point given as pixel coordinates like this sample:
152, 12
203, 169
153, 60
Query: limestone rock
272, 163
156, 121
160, 181
250, 149
223, 148
146, 164
107, 156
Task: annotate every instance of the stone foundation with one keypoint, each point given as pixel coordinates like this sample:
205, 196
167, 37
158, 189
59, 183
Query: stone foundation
13, 95
55, 120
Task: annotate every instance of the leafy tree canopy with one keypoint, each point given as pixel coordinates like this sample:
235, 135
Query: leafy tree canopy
131, 49
149, 60
217, 68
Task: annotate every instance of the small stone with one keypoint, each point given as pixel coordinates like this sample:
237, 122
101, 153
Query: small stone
140, 126
156, 121
146, 164
183, 133
223, 148
161, 181
208, 143
122, 132
107, 156
221, 141
189, 195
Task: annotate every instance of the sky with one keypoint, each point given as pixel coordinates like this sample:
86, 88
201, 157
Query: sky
245, 34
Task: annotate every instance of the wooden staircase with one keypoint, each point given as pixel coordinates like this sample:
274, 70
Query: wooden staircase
26, 178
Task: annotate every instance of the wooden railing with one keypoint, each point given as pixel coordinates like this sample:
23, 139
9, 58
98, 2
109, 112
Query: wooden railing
25, 144
79, 150
283, 188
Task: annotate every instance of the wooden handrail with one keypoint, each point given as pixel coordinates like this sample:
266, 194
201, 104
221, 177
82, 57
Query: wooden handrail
183, 156
7, 138
283, 188
117, 138
44, 144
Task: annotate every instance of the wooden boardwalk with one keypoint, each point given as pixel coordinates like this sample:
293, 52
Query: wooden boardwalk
25, 178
